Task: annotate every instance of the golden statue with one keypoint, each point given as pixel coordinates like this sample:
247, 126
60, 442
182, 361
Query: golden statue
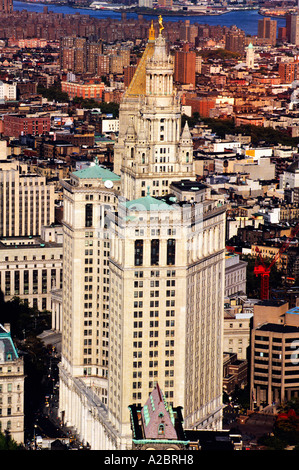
161, 27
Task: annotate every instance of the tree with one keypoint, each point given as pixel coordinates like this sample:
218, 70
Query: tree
258, 134
26, 324
53, 93
7, 443
24, 320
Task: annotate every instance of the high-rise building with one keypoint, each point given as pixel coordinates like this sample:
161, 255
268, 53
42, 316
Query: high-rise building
79, 55
294, 29
93, 50
288, 71
171, 268
85, 291
152, 151
129, 72
185, 65
6, 6
267, 30
143, 282
103, 65
26, 201
235, 40
145, 3
165, 4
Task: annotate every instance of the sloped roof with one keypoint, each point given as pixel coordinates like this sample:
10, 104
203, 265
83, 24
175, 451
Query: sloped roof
137, 85
148, 203
158, 417
96, 172
7, 349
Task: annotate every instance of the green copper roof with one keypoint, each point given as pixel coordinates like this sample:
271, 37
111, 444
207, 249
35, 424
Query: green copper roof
96, 172
8, 351
148, 203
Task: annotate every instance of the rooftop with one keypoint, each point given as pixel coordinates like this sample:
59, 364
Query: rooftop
95, 171
279, 328
7, 348
148, 203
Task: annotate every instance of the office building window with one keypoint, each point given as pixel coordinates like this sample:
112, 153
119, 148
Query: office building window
171, 251
154, 252
138, 252
88, 215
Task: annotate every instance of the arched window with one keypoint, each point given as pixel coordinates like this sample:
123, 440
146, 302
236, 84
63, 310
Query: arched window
161, 430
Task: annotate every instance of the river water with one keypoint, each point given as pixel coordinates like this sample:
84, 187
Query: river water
246, 20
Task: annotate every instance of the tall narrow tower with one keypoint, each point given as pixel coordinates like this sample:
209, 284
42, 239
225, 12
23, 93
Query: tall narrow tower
143, 278
250, 56
152, 149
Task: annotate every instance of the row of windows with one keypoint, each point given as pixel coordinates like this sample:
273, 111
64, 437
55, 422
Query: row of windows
155, 252
170, 273
154, 324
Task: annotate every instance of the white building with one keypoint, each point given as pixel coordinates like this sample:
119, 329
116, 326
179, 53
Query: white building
26, 200
290, 177
8, 91
143, 284
30, 268
11, 387
235, 275
110, 125
250, 56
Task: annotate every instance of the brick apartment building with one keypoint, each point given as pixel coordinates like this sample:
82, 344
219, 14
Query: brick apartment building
184, 68
288, 71
83, 90
15, 125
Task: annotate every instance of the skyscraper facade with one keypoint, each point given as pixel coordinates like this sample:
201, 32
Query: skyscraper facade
185, 62
143, 273
6, 6
267, 30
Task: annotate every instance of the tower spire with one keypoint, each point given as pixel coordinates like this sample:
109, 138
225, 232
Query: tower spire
151, 35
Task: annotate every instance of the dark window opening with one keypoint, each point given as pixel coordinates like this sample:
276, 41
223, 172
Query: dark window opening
138, 252
171, 251
154, 252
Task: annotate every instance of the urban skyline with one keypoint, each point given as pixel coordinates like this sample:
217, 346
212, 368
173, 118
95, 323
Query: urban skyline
147, 174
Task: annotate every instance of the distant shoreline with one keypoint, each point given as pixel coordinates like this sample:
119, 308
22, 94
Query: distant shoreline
141, 11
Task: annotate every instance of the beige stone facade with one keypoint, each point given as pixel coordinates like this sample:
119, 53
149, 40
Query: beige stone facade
11, 387
85, 291
26, 201
30, 268
143, 280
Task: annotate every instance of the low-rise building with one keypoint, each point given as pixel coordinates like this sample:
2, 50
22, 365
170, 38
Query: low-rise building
30, 268
274, 352
235, 274
83, 90
236, 333
235, 373
15, 125
11, 387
